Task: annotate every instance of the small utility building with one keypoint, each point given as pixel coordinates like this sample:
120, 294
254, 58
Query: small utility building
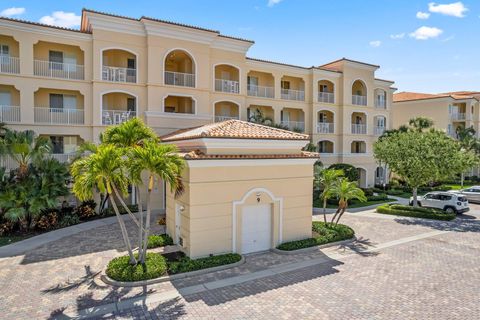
248, 188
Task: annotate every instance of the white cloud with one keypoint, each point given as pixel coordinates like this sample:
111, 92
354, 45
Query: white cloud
271, 3
61, 19
423, 15
13, 11
425, 33
456, 9
376, 43
397, 36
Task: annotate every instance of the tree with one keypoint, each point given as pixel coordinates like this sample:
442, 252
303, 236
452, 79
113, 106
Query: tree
161, 163
106, 171
325, 179
344, 191
24, 147
468, 141
421, 157
420, 123
349, 171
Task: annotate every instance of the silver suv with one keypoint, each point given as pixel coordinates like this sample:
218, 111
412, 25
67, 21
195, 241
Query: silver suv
472, 193
447, 201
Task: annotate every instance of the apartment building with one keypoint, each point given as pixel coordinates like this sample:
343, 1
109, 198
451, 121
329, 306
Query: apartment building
448, 111
70, 84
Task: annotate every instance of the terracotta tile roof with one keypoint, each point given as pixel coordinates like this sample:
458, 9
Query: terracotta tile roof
43, 25
412, 96
234, 129
198, 155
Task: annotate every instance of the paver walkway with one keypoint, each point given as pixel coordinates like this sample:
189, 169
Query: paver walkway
394, 268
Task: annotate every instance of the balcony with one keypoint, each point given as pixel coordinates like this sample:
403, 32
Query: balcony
59, 116
260, 91
359, 100
9, 114
325, 127
294, 125
118, 74
224, 118
378, 131
289, 94
58, 70
458, 116
64, 157
359, 128
9, 64
180, 79
228, 86
327, 97
117, 116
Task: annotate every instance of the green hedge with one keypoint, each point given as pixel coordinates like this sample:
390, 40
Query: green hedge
416, 212
326, 233
159, 240
156, 265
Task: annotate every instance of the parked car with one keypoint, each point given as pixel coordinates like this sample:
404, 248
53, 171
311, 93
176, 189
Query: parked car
447, 201
472, 193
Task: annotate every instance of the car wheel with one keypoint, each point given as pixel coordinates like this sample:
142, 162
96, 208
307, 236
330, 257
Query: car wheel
449, 210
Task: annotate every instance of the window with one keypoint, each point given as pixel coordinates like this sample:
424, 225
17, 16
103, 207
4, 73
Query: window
252, 81
445, 197
379, 172
322, 117
56, 60
131, 104
323, 88
4, 51
381, 122
69, 101
56, 101
57, 144
285, 85
323, 147
431, 196
5, 98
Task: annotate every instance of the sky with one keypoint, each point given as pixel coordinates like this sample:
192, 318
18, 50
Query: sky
423, 46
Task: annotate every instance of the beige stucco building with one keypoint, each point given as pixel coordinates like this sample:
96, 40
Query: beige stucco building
447, 110
248, 188
71, 84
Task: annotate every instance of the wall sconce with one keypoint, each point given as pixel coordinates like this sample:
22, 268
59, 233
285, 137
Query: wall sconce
258, 196
182, 208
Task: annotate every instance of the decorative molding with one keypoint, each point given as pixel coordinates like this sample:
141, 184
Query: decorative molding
162, 114
45, 30
250, 162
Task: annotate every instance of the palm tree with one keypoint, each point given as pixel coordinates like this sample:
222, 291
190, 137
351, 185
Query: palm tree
345, 190
420, 123
325, 179
106, 171
468, 142
24, 147
162, 163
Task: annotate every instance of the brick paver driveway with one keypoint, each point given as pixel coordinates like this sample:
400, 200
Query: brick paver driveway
398, 269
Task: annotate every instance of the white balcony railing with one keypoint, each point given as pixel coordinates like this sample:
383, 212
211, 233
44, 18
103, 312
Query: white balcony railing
359, 100
380, 103
294, 125
117, 74
327, 97
289, 94
229, 86
58, 70
59, 116
224, 118
378, 131
259, 91
359, 128
9, 114
10, 164
64, 157
325, 127
180, 79
9, 64
112, 117
458, 116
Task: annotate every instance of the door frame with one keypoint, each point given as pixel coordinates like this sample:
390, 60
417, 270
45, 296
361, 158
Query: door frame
178, 222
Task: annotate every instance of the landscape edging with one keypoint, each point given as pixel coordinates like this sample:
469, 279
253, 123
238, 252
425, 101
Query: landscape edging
314, 248
116, 283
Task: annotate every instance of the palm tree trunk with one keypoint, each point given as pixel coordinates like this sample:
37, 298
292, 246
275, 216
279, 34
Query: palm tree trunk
147, 225
124, 232
325, 210
335, 215
341, 214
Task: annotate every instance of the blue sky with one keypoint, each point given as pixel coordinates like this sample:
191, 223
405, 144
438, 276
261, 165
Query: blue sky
422, 45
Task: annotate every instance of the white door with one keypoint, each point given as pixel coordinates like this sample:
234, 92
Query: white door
256, 228
178, 223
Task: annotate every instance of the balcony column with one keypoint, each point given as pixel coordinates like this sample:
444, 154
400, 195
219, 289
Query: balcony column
87, 61
26, 56
26, 104
277, 115
277, 80
243, 113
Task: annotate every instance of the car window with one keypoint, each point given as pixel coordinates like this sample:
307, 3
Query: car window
475, 190
432, 196
445, 197
462, 199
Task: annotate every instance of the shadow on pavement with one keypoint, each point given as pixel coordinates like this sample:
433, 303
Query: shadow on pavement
460, 224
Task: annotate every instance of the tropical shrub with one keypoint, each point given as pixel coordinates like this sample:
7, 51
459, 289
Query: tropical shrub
121, 269
416, 212
349, 171
86, 210
159, 240
48, 221
68, 220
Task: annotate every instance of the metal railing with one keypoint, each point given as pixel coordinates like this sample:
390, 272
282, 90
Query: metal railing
359, 100
59, 115
9, 64
325, 127
380, 103
227, 86
117, 74
289, 94
294, 125
378, 131
224, 118
63, 157
458, 116
359, 128
9, 114
327, 97
259, 91
58, 70
10, 164
112, 116
180, 79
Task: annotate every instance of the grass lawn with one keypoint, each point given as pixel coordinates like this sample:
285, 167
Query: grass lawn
317, 203
458, 187
4, 240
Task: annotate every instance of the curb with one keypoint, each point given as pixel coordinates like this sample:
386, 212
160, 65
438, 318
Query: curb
116, 283
315, 248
